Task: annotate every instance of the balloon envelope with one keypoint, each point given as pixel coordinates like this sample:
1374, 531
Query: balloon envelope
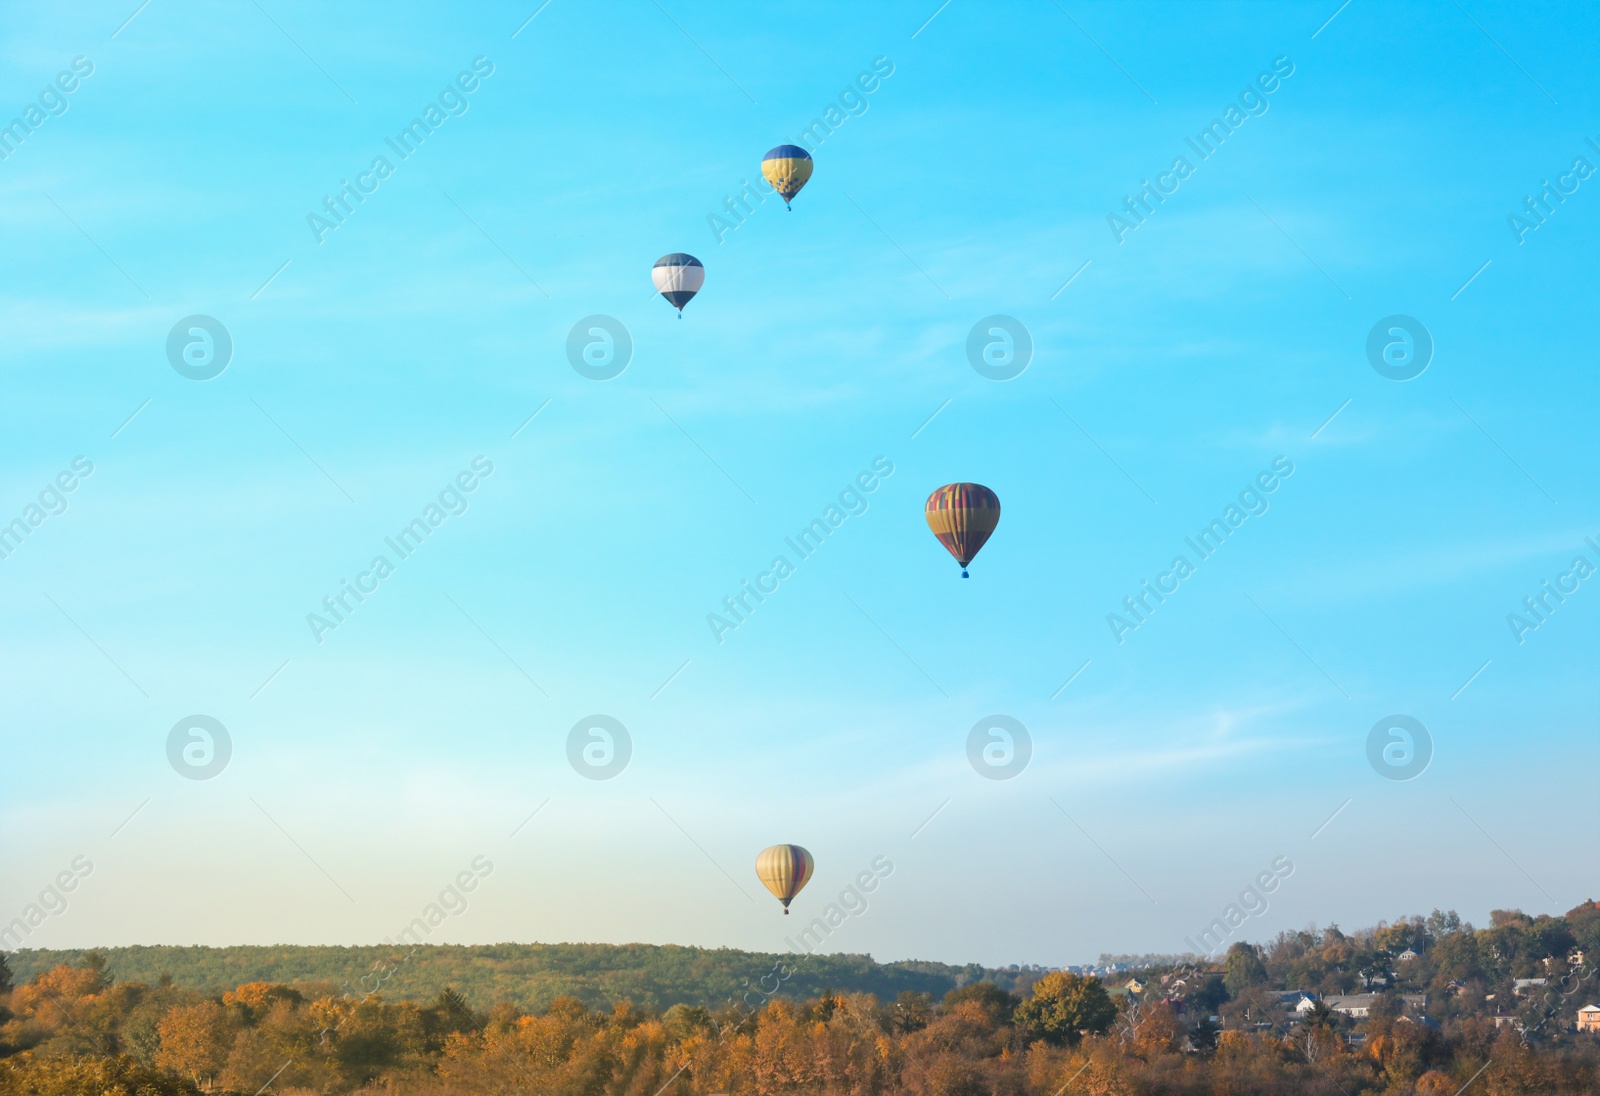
783, 870
962, 515
787, 168
678, 277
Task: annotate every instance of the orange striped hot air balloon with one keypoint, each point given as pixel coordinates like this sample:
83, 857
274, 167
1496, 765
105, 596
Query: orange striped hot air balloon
962, 515
783, 870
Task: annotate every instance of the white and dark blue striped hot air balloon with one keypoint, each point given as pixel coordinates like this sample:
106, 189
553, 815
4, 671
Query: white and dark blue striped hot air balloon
678, 278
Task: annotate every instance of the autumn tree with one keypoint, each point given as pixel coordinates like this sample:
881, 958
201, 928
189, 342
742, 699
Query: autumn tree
995, 1002
56, 986
1244, 969
947, 1075
1063, 1006
1584, 921
255, 998
195, 1040
1157, 1031
1444, 922
685, 1021
911, 1012
101, 1075
139, 1032
55, 1005
1437, 1083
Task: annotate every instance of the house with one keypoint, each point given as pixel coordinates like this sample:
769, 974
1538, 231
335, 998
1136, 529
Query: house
1354, 1004
1519, 986
1502, 1021
1298, 1001
1575, 958
1359, 1005
1407, 955
1589, 1018
1455, 988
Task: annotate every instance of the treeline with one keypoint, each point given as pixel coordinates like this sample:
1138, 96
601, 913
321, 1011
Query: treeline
529, 976
1461, 969
69, 1032
1189, 1029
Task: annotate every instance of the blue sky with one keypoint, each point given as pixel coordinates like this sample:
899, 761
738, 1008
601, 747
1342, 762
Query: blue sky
1225, 332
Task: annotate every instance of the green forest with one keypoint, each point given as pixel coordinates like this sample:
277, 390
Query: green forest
529, 976
1423, 1006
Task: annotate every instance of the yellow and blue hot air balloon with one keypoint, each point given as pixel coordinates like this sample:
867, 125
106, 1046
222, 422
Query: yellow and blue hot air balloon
962, 515
787, 168
783, 870
678, 278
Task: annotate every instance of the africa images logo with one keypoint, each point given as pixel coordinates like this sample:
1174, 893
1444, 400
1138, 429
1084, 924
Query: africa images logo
452, 102
52, 103
1252, 501
804, 544
1141, 205
338, 607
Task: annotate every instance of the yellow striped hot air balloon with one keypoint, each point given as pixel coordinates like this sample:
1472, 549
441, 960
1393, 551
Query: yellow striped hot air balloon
962, 515
783, 870
787, 168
